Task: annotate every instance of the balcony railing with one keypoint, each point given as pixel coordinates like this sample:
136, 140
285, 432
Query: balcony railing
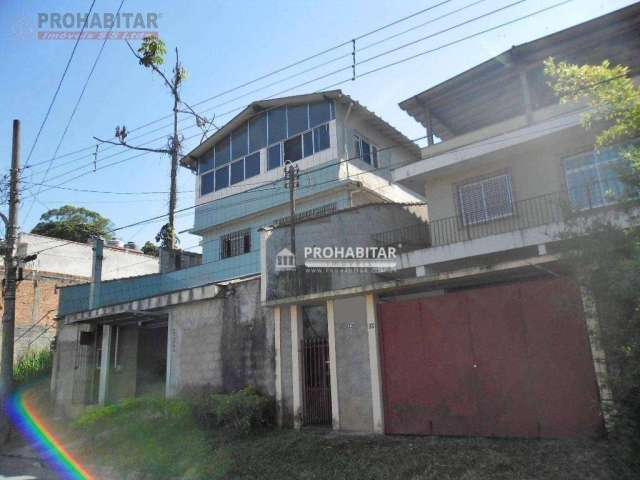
523, 214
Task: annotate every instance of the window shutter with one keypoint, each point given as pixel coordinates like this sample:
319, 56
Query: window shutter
472, 203
497, 195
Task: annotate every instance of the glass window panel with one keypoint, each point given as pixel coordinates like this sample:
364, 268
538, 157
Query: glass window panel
321, 138
239, 142
206, 162
258, 132
206, 183
579, 161
252, 165
297, 119
277, 124
366, 152
223, 152
237, 171
273, 157
293, 149
319, 113
222, 178
356, 147
307, 141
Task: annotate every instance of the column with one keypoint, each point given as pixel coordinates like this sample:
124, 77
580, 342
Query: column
374, 364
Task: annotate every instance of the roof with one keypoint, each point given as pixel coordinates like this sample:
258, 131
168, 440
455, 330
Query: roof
492, 91
260, 106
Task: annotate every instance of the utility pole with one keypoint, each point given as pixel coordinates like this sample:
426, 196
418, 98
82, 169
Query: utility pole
10, 270
292, 175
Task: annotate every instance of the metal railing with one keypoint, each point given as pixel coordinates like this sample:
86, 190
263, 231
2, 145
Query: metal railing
532, 212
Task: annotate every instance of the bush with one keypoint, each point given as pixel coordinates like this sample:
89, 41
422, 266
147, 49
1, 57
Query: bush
242, 411
33, 365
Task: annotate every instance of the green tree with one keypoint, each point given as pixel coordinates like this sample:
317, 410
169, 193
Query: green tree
605, 252
73, 223
150, 248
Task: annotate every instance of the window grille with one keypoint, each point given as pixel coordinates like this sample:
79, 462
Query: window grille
486, 200
235, 243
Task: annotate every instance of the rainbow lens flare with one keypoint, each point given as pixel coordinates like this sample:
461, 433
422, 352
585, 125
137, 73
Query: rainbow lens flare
24, 415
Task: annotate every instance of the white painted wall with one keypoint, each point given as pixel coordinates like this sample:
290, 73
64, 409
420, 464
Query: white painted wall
73, 258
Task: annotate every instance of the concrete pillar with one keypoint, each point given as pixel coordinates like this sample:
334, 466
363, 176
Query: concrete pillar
333, 367
278, 347
296, 336
598, 355
96, 273
374, 365
168, 386
105, 364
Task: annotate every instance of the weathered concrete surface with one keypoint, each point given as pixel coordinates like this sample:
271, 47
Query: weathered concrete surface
352, 358
62, 376
287, 372
224, 344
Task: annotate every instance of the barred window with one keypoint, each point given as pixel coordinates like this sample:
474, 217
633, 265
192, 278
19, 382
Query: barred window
486, 200
235, 243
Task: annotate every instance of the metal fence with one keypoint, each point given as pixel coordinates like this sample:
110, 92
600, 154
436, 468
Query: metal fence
532, 212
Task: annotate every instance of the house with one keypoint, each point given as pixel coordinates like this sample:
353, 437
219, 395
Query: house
203, 327
480, 330
59, 263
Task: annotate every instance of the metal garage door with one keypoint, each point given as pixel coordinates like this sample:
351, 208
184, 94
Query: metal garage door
510, 360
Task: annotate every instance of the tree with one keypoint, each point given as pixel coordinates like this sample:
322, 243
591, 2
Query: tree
151, 54
73, 223
150, 248
605, 254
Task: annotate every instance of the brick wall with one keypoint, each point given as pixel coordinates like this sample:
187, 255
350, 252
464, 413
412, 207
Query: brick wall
36, 309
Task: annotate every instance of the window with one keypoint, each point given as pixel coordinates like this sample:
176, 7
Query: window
365, 151
223, 152
206, 163
252, 165
274, 159
293, 149
486, 200
297, 119
321, 138
206, 183
307, 143
239, 142
237, 172
235, 243
277, 124
592, 178
319, 113
258, 132
222, 178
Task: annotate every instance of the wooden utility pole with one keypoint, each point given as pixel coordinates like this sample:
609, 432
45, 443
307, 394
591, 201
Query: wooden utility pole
10, 269
292, 175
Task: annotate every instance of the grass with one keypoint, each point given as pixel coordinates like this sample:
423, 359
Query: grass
161, 440
33, 365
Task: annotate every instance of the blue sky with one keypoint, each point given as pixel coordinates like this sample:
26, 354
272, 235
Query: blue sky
224, 44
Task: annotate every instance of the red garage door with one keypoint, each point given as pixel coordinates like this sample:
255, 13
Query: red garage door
510, 360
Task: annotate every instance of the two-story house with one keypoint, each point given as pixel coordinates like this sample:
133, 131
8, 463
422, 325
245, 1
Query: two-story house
481, 329
203, 327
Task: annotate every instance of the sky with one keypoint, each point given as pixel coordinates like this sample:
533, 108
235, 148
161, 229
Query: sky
225, 44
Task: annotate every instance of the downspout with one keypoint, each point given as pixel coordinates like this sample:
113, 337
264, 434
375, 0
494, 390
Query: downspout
346, 144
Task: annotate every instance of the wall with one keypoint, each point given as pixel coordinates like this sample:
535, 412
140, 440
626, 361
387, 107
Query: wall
73, 258
222, 344
36, 309
352, 358
349, 228
536, 169
124, 363
62, 376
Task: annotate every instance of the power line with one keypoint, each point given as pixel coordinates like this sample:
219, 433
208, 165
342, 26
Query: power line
77, 104
55, 95
271, 73
378, 68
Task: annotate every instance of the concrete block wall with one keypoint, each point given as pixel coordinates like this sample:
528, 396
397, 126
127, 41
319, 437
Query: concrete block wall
222, 344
